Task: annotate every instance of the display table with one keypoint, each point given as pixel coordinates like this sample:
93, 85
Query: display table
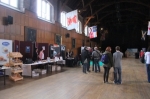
27, 68
4, 68
69, 62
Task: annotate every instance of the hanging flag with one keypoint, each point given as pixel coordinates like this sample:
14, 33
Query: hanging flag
148, 33
72, 20
143, 35
92, 32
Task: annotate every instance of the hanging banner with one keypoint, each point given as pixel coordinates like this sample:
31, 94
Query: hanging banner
72, 20
148, 33
143, 35
92, 32
5, 48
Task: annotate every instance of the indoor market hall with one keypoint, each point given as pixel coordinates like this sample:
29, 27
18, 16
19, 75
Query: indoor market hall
74, 49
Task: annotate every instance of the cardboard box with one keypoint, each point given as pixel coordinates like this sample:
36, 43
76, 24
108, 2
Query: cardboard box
58, 68
54, 68
35, 74
44, 71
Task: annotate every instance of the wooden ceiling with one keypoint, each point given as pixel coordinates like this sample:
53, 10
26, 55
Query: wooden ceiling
105, 12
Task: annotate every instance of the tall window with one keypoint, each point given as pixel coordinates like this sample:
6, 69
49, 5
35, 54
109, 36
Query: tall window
79, 27
14, 4
45, 10
86, 31
63, 19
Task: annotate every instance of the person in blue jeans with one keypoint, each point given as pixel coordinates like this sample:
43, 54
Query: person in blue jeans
117, 57
96, 56
147, 62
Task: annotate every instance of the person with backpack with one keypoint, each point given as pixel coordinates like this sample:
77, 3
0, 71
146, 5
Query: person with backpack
107, 59
117, 56
96, 56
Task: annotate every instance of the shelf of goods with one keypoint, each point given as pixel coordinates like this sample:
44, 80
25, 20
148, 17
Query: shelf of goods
15, 64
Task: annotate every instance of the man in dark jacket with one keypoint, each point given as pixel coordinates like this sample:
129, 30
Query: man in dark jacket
84, 56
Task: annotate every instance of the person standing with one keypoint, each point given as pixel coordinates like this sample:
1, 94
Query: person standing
41, 55
84, 56
35, 55
88, 59
117, 57
108, 65
71, 53
147, 61
68, 53
96, 56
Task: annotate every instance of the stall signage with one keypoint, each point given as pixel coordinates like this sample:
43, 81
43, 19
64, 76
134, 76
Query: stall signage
5, 43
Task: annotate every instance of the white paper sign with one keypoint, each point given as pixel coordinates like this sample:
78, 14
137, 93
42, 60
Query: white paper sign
5, 48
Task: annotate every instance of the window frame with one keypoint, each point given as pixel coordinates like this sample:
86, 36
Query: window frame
20, 5
79, 27
63, 12
86, 30
51, 16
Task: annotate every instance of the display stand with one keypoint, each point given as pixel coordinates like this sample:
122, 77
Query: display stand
15, 64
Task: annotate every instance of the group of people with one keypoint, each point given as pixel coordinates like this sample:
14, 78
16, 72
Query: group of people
113, 61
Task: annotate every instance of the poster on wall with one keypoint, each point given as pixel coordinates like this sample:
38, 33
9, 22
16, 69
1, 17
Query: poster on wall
5, 48
27, 49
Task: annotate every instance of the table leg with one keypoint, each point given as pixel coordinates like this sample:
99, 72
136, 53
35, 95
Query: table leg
4, 77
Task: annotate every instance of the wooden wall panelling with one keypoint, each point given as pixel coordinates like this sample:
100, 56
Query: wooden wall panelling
1, 36
42, 25
39, 35
46, 26
31, 22
2, 12
34, 24
32, 15
6, 36
52, 28
18, 29
26, 20
12, 37
1, 27
44, 39
7, 29
52, 38
19, 37
17, 17
38, 24
12, 29
22, 20
22, 31
49, 27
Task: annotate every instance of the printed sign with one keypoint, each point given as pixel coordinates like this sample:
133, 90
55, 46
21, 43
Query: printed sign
5, 48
